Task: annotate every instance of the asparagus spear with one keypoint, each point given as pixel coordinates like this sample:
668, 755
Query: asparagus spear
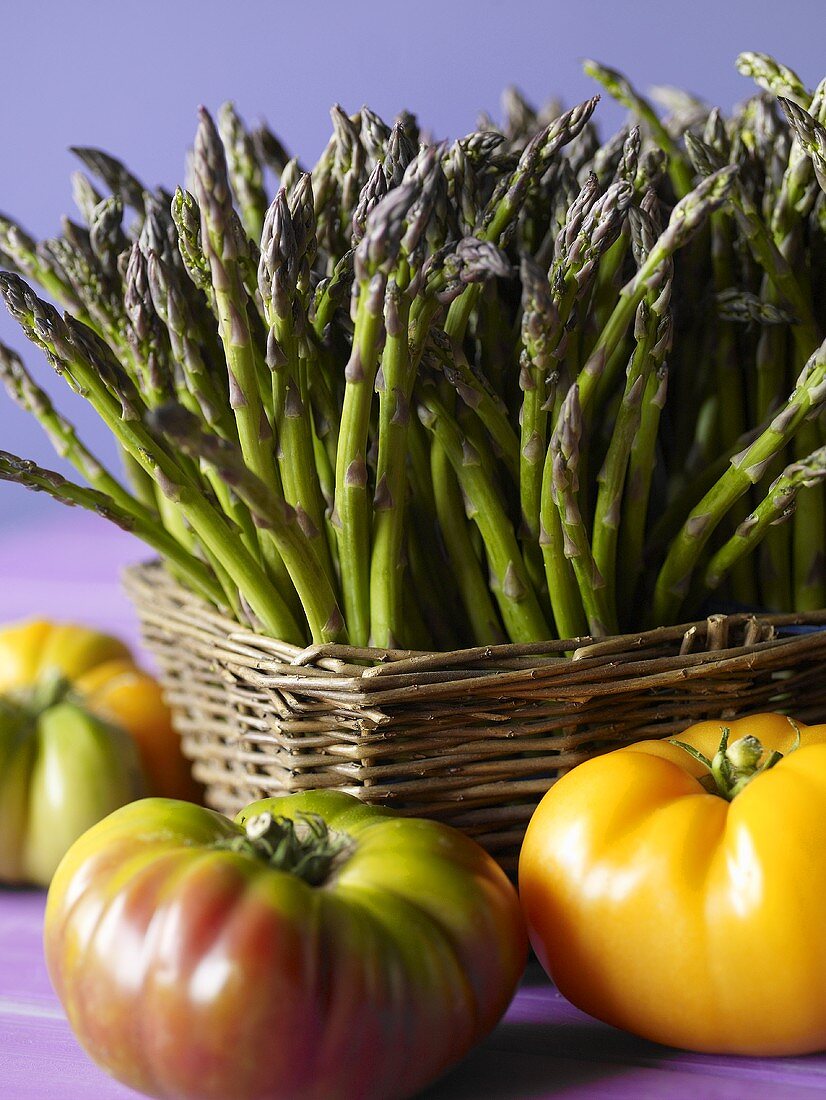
611, 477
23, 389
146, 335
811, 135
387, 622
564, 449
271, 513
636, 503
760, 241
745, 470
85, 196
511, 585
269, 148
376, 256
466, 568
107, 387
476, 395
186, 215
114, 174
686, 219
221, 249
106, 237
244, 168
193, 572
624, 92
282, 254
772, 75
21, 253
776, 507
278, 275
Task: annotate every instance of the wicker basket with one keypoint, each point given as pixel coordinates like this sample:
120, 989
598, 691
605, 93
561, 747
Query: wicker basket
474, 737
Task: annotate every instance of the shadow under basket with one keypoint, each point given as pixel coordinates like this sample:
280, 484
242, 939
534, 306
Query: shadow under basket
474, 737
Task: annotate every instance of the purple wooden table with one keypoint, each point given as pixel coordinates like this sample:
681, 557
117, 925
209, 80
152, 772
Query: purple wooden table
544, 1047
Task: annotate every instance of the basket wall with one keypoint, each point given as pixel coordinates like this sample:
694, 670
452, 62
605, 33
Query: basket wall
472, 738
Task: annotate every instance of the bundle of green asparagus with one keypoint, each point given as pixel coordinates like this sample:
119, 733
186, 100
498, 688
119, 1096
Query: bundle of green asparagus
436, 394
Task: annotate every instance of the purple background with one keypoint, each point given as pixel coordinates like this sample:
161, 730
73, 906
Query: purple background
128, 76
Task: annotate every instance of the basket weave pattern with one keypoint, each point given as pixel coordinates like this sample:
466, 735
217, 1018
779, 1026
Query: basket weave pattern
474, 737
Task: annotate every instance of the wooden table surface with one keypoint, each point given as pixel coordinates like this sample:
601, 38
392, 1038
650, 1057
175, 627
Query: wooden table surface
543, 1048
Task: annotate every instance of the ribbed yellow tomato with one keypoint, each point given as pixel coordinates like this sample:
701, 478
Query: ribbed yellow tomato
82, 731
689, 911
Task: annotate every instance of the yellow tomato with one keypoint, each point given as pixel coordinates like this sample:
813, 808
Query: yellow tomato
82, 731
103, 678
31, 650
689, 911
132, 699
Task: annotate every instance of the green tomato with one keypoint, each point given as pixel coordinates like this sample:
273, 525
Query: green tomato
316, 947
61, 770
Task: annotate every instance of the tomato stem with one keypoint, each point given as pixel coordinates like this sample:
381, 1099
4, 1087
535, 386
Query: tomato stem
734, 766
304, 847
51, 688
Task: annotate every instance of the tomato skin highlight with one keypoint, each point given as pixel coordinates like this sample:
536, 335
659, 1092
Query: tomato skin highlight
664, 909
189, 969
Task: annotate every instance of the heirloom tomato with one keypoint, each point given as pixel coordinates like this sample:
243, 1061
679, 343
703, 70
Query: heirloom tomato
82, 731
314, 948
677, 889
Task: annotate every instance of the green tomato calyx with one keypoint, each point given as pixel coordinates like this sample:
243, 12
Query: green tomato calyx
303, 846
26, 705
735, 765
50, 690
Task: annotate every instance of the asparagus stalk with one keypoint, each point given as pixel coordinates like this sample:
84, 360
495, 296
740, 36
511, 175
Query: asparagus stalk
108, 389
193, 572
376, 256
564, 449
624, 92
271, 513
499, 219
20, 252
485, 624
687, 217
771, 74
812, 136
476, 395
775, 508
611, 477
244, 169
537, 380
106, 236
761, 242
114, 174
746, 469
395, 383
22, 388
186, 215
221, 250
636, 503
196, 385
282, 253
511, 585
85, 196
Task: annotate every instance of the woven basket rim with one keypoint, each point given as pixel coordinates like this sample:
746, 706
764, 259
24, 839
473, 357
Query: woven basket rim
371, 663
